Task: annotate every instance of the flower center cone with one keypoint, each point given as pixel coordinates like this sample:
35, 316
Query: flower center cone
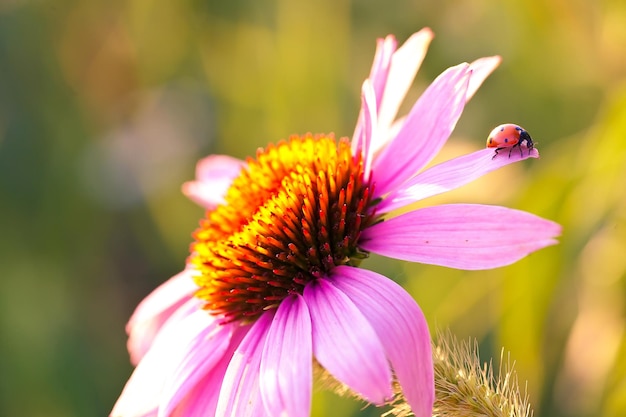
294, 213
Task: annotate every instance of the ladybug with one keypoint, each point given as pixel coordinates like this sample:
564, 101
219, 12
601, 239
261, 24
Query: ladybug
509, 136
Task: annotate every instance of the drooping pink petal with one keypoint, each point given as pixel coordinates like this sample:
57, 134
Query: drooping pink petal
450, 175
201, 400
464, 236
201, 355
405, 63
481, 69
425, 131
345, 343
214, 174
286, 366
398, 320
155, 310
241, 395
142, 393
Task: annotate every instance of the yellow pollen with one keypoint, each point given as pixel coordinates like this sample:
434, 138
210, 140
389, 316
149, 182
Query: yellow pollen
294, 213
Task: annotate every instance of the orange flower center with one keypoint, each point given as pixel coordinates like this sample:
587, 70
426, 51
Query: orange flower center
292, 215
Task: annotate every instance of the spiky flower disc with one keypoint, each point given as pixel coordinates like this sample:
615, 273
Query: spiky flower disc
292, 215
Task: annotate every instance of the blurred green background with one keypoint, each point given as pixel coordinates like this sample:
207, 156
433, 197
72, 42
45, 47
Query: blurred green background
105, 106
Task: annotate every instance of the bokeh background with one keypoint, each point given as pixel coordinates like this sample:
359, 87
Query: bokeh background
106, 105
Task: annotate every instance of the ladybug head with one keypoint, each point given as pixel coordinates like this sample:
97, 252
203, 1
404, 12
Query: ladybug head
525, 137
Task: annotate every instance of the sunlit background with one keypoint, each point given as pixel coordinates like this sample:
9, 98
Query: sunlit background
105, 107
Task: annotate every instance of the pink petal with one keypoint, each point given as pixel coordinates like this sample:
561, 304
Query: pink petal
155, 310
481, 69
201, 400
142, 393
214, 174
464, 236
398, 320
425, 131
286, 366
449, 175
379, 73
240, 395
392, 74
377, 80
386, 136
202, 354
369, 127
362, 137
345, 343
404, 65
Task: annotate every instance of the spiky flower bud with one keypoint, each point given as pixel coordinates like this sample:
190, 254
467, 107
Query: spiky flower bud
465, 387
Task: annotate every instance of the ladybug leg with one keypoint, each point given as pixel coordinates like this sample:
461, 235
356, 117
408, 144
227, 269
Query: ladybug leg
496, 154
511, 150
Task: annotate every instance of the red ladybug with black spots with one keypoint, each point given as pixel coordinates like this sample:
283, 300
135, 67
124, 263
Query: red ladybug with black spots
509, 136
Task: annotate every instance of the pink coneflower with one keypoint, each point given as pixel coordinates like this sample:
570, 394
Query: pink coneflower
272, 287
